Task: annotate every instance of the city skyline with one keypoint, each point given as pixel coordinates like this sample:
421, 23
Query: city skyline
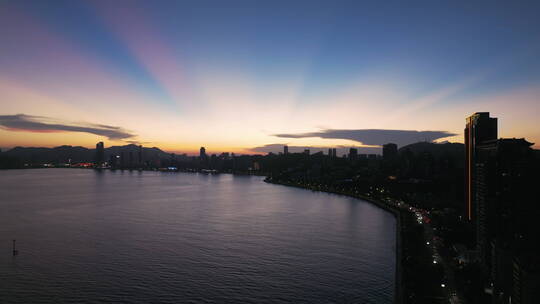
240, 76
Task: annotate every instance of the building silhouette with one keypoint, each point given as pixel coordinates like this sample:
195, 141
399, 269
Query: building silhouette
140, 160
353, 153
202, 153
390, 151
100, 154
203, 158
479, 128
504, 233
501, 206
285, 150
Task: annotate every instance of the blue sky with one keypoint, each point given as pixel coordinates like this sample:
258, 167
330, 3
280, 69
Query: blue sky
230, 74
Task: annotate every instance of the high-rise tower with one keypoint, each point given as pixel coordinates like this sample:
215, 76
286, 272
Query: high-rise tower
479, 128
140, 160
353, 153
202, 153
100, 154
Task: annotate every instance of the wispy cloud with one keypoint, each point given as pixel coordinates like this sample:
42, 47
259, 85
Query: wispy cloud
136, 142
374, 136
29, 123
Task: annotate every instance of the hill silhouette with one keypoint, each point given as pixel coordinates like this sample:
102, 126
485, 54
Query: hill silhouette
63, 154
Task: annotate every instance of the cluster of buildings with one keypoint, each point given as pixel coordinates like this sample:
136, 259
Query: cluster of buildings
389, 151
132, 157
501, 208
128, 159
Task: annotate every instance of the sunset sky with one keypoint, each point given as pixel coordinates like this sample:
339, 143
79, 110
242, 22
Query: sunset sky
237, 75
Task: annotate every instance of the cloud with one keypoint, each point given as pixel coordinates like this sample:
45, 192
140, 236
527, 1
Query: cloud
376, 137
340, 150
136, 142
29, 123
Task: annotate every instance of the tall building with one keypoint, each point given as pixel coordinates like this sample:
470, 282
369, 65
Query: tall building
389, 151
306, 151
140, 155
202, 153
334, 152
504, 211
479, 128
285, 150
353, 153
501, 181
100, 154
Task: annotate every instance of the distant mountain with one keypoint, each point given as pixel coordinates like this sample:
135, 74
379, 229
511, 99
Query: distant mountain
437, 150
148, 153
56, 155
63, 154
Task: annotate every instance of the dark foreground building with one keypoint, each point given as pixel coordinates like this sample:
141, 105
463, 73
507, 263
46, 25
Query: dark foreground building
479, 128
502, 207
390, 151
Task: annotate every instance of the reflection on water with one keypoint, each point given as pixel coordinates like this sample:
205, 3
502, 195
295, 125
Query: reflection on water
88, 236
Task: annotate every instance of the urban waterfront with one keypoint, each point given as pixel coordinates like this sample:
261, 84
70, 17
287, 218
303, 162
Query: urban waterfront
90, 236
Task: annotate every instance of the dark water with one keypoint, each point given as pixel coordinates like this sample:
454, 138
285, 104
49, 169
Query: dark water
131, 237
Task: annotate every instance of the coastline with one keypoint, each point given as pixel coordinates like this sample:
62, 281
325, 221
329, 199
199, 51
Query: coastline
398, 293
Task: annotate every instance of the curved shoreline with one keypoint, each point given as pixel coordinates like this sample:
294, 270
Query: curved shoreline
398, 293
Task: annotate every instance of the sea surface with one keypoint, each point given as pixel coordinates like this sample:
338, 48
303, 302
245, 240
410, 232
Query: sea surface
88, 236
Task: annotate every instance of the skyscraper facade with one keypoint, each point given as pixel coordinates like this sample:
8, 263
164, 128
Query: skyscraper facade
505, 213
202, 153
100, 154
285, 150
501, 182
479, 128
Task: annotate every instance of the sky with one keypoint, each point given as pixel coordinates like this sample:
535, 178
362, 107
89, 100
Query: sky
251, 76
